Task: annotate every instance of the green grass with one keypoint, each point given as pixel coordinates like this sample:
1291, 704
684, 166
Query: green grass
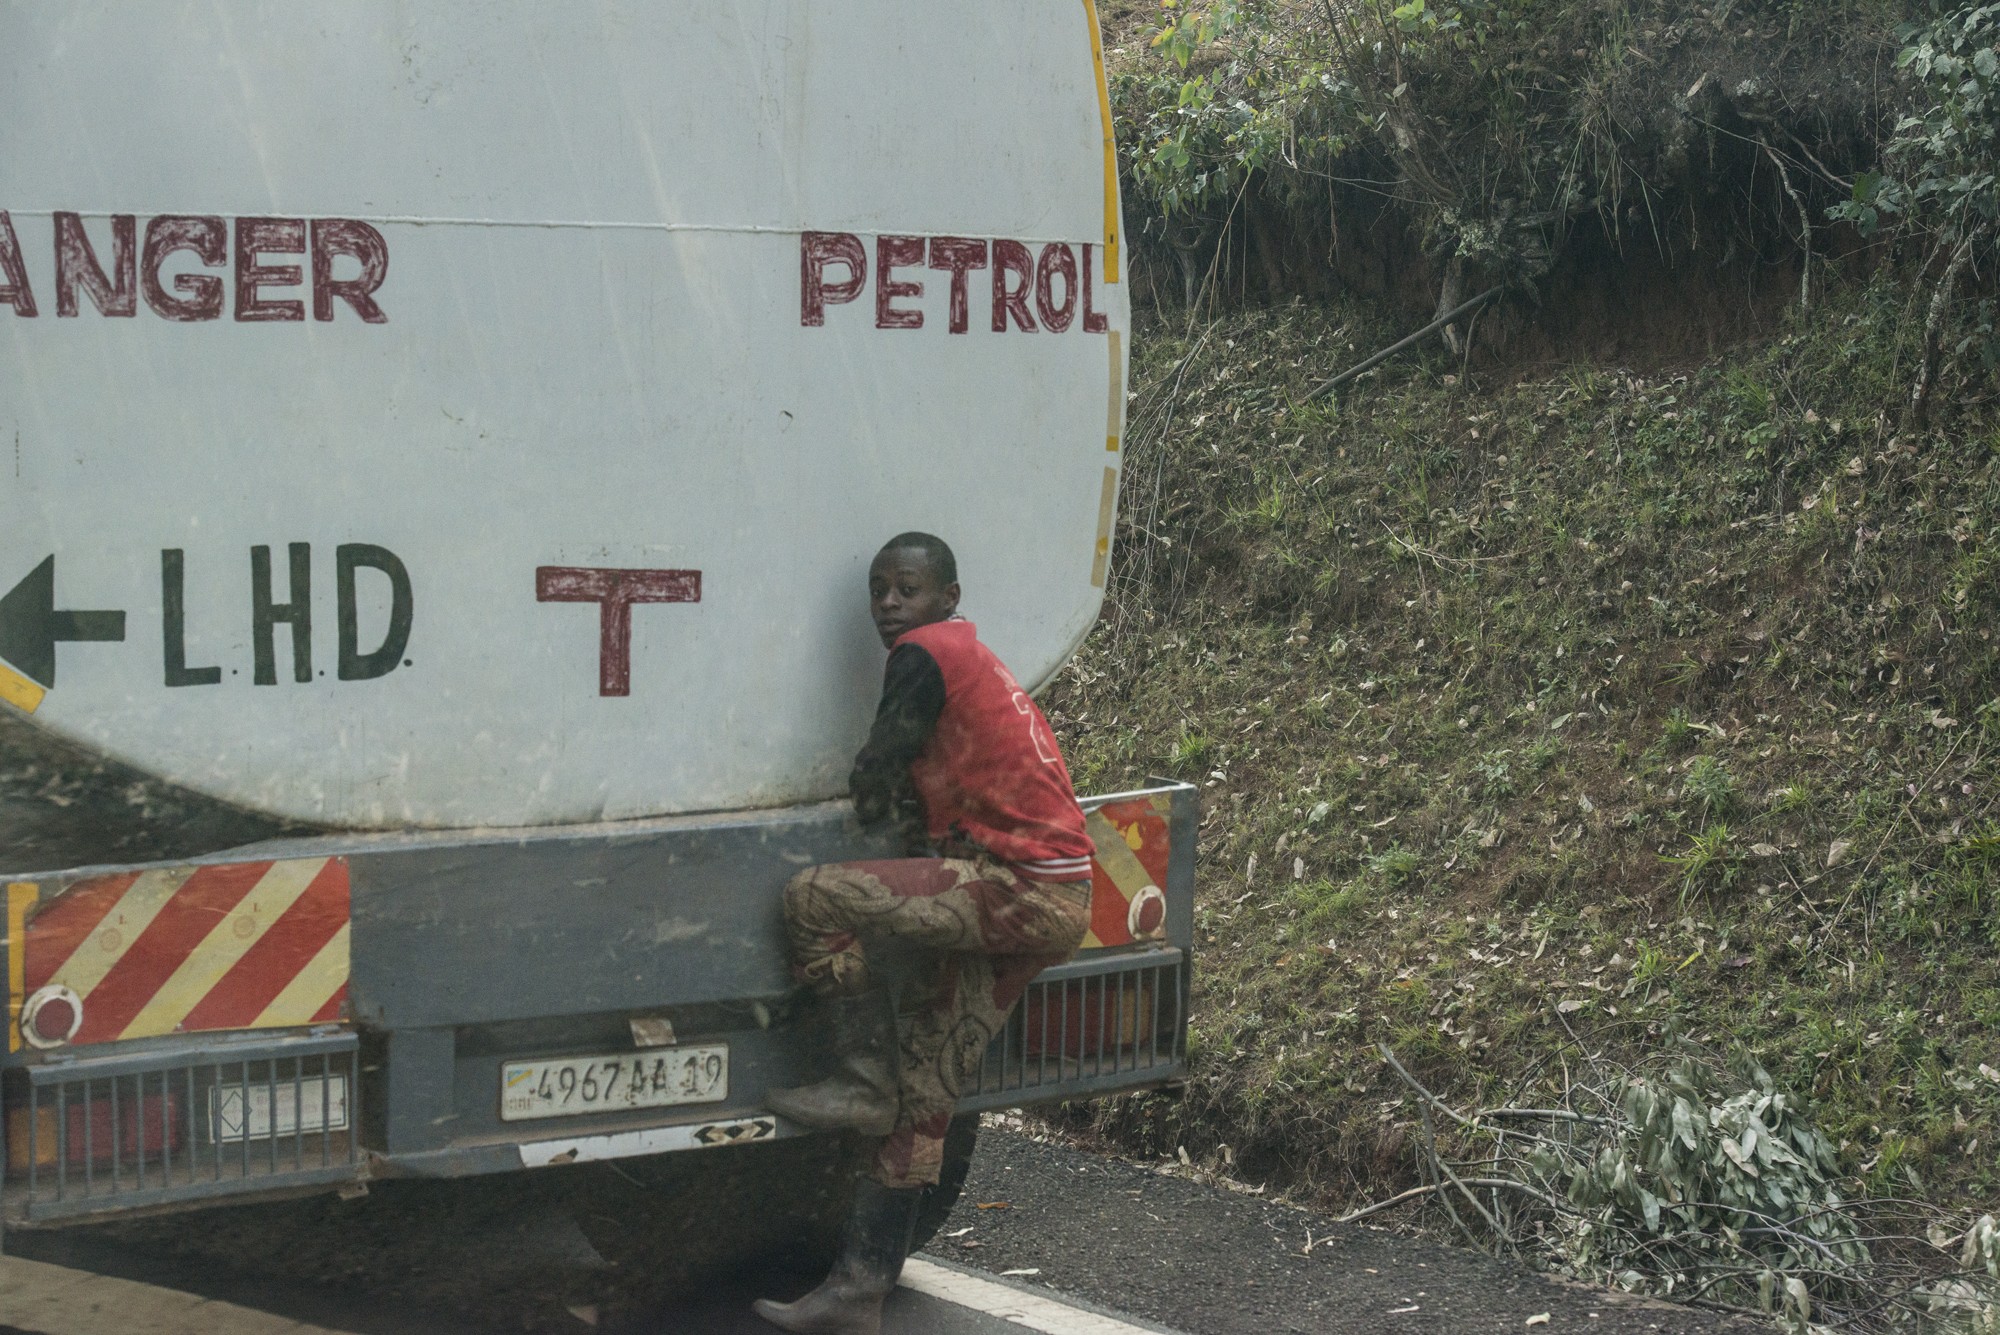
1500, 698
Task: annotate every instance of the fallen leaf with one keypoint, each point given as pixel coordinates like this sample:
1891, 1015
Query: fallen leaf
996, 1205
586, 1313
1734, 1153
1764, 850
1989, 1073
1569, 1007
1538, 1319
1836, 852
1030, 1270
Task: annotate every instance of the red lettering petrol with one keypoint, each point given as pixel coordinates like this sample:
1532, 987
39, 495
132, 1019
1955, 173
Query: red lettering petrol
958, 255
892, 253
1093, 323
1011, 257
817, 250
1057, 261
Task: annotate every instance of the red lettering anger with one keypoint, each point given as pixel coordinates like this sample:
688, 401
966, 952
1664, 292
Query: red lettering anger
116, 295
346, 238
272, 236
14, 289
349, 264
200, 294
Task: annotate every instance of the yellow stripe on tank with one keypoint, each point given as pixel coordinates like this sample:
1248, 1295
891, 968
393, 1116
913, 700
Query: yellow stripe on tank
1107, 502
18, 691
1114, 408
1110, 146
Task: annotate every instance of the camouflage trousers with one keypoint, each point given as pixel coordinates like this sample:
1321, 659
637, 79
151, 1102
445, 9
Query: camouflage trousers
991, 930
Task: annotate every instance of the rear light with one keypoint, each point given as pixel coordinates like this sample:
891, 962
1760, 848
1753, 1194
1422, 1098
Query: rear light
51, 1016
1088, 1017
94, 1131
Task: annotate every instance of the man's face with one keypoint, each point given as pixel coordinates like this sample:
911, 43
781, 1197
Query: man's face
904, 592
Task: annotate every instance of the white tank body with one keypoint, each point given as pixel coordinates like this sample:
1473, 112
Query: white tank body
458, 413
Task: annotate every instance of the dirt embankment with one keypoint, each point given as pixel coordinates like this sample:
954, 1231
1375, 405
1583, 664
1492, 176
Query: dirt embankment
1620, 692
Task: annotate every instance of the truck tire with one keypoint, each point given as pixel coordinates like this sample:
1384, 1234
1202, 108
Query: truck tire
960, 1139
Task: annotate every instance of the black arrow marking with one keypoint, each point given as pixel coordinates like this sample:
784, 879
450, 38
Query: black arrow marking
30, 625
718, 1133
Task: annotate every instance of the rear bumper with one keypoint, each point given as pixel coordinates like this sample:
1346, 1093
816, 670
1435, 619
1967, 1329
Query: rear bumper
472, 951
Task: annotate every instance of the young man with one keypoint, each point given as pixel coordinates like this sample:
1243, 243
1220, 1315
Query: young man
1005, 894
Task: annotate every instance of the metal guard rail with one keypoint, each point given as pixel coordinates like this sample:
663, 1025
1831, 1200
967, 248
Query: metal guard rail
155, 1128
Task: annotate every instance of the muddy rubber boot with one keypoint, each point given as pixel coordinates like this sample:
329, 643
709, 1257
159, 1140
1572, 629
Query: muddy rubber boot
873, 1245
863, 1094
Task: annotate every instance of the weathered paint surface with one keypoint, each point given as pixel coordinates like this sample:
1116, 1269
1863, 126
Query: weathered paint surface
172, 950
483, 412
1128, 871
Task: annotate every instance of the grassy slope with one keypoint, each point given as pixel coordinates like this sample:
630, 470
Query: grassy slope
1616, 704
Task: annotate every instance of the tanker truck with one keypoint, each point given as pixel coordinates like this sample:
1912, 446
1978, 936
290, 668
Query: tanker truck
441, 447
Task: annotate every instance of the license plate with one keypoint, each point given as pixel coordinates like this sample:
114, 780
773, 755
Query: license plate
661, 1078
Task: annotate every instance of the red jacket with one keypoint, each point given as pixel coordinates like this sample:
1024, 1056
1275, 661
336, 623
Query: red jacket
979, 755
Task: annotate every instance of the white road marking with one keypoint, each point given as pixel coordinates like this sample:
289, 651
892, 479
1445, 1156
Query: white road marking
1034, 1311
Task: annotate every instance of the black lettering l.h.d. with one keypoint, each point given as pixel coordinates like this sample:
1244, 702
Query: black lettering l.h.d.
265, 614
382, 660
173, 623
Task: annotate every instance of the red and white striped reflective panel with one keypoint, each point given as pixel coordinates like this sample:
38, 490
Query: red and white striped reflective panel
244, 945
1128, 871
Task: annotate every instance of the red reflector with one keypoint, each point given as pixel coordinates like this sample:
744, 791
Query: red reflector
1149, 911
54, 1020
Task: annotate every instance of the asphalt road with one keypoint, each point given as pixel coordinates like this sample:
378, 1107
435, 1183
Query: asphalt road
1157, 1251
